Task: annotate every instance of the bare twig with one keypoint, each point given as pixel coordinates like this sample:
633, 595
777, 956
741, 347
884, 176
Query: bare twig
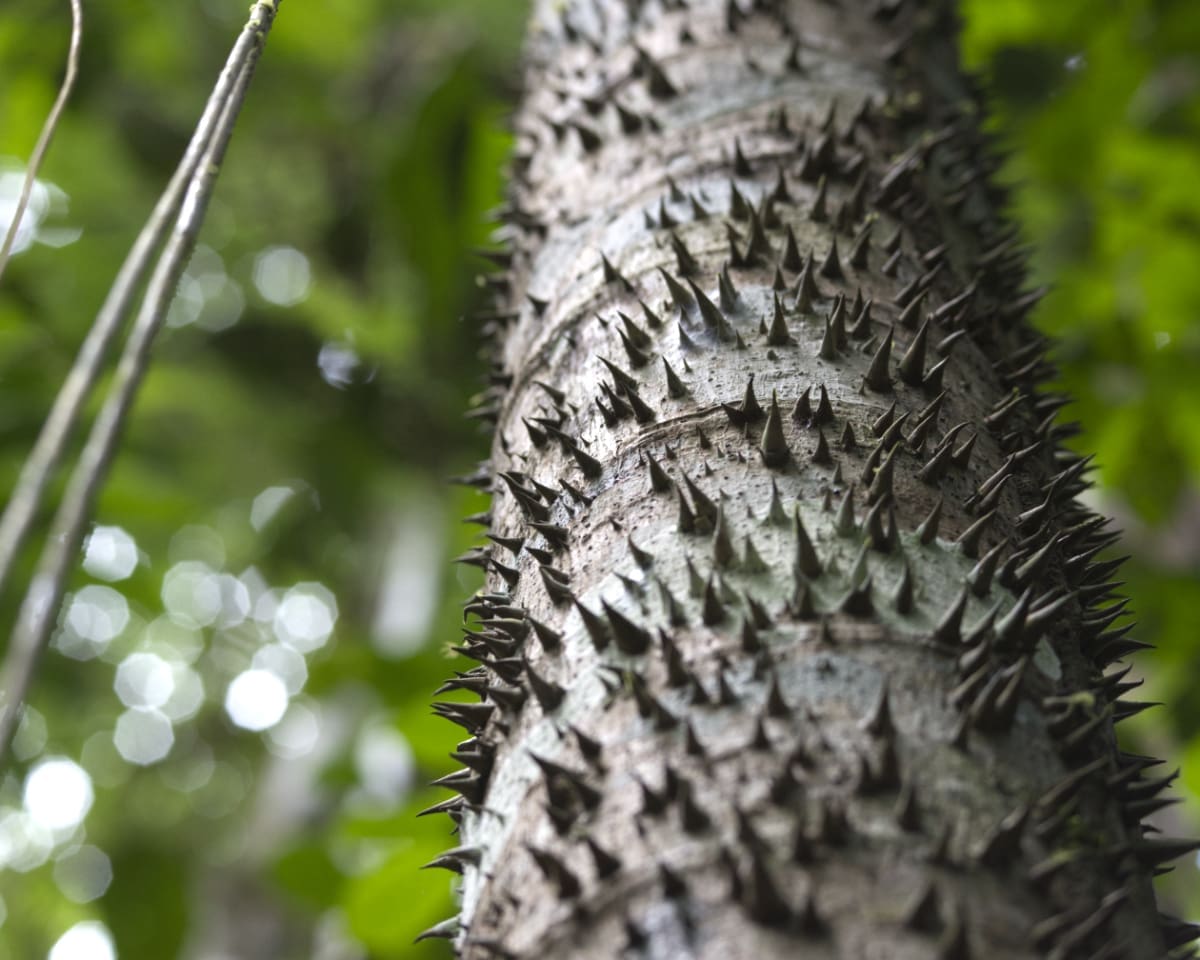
40, 604
47, 134
26, 497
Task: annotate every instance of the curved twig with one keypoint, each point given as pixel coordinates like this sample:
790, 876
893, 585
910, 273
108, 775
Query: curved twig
47, 134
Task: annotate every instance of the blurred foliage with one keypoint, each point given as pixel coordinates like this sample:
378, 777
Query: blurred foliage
290, 444
302, 412
1102, 105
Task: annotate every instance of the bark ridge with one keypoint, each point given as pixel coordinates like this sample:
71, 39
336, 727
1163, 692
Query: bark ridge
794, 641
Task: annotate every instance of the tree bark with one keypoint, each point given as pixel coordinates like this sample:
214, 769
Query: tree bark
794, 640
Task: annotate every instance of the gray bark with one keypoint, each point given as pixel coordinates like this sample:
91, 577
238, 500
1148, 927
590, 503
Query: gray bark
794, 642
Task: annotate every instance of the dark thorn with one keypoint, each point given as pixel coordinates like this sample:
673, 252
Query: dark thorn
877, 376
831, 267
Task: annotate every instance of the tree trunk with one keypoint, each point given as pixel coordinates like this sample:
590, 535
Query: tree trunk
794, 640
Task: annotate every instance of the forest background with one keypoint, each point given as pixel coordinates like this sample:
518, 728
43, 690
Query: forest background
229, 740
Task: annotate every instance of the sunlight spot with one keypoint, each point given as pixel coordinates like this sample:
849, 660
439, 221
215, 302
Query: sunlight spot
267, 504
30, 738
187, 695
282, 275
332, 937
95, 616
58, 236
11, 184
110, 554
180, 641
144, 680
58, 794
256, 585
87, 940
206, 295
24, 843
84, 874
337, 363
1161, 339
305, 617
256, 699
235, 601
296, 734
266, 605
285, 662
384, 763
98, 613
143, 736
186, 304
406, 597
224, 303
45, 198
191, 593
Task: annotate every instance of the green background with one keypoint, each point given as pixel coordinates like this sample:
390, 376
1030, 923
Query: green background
369, 151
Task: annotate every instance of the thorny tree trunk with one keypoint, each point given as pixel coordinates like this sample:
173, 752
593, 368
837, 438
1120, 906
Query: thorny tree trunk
793, 641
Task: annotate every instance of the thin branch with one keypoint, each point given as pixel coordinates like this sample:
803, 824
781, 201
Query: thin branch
47, 134
41, 602
25, 500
